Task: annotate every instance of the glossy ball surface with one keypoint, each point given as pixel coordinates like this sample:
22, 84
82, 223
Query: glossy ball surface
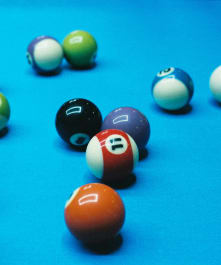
172, 89
94, 213
80, 49
4, 111
77, 121
111, 155
215, 83
45, 54
131, 121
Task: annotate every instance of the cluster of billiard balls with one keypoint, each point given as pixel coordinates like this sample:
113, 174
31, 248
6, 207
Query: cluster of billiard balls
45, 53
172, 88
95, 212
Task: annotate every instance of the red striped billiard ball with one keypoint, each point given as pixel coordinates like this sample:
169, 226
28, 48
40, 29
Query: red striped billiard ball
111, 155
94, 213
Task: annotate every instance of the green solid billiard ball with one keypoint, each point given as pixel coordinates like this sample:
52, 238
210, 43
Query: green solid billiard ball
4, 111
80, 49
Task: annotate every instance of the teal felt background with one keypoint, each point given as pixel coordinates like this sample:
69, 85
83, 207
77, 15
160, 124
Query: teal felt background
173, 209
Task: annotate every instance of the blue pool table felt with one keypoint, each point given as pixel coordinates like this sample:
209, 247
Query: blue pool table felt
173, 212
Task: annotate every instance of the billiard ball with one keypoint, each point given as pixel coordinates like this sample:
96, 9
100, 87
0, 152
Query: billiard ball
130, 120
172, 89
4, 111
215, 83
77, 121
80, 49
111, 155
94, 213
45, 54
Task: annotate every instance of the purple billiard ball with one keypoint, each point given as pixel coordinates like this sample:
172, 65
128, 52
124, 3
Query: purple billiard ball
131, 121
45, 54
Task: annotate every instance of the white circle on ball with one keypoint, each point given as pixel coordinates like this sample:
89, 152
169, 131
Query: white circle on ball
165, 72
171, 94
48, 54
79, 139
116, 144
215, 83
94, 157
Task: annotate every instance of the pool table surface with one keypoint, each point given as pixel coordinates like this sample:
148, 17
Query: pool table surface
173, 213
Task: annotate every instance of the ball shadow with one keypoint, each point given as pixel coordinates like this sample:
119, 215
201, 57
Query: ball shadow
129, 181
80, 149
106, 247
85, 68
68, 147
49, 74
4, 132
183, 111
90, 178
215, 103
103, 248
143, 154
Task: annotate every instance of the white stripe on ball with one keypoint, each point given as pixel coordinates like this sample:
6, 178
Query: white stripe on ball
94, 157
134, 150
171, 94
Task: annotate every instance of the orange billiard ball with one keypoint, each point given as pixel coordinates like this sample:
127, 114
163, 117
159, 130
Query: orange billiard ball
94, 213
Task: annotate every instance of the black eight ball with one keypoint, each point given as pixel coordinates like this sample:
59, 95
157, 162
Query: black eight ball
77, 121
